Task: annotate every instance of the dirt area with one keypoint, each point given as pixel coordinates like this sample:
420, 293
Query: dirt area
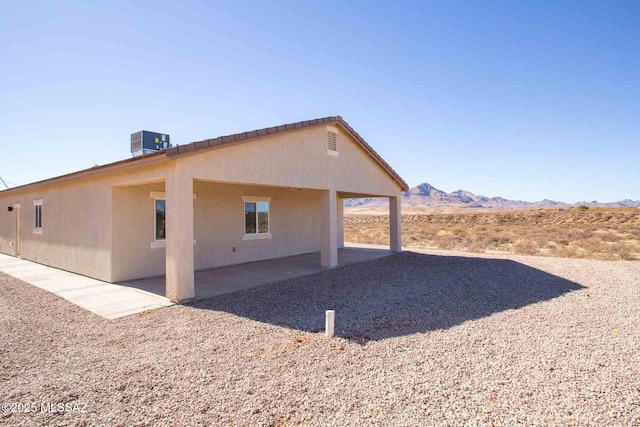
423, 340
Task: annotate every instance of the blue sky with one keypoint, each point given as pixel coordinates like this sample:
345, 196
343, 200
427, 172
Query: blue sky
525, 100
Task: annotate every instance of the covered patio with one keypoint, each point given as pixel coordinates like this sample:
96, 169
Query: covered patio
231, 204
200, 248
228, 279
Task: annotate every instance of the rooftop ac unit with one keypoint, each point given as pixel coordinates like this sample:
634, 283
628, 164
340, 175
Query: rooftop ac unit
145, 142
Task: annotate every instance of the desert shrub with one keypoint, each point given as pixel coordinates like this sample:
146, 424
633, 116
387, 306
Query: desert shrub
635, 232
458, 230
551, 248
419, 234
447, 242
610, 236
480, 239
498, 241
623, 251
575, 234
591, 246
477, 247
551, 245
567, 252
525, 247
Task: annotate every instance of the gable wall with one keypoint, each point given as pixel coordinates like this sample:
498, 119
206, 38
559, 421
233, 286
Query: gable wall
295, 159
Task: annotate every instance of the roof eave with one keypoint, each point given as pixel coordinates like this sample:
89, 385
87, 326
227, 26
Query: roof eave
146, 160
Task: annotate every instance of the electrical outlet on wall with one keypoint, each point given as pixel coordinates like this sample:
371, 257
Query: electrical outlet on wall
234, 249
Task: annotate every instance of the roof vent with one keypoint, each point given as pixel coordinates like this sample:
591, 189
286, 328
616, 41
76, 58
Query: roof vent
145, 142
332, 140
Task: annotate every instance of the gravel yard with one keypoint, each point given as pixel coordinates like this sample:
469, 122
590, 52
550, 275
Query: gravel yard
423, 340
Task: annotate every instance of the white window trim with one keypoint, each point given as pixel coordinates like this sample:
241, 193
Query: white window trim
37, 230
333, 153
256, 236
256, 199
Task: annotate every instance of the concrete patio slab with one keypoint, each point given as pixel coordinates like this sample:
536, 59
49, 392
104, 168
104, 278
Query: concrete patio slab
224, 280
117, 300
104, 299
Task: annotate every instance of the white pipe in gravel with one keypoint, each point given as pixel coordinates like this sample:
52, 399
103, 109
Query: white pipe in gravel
329, 323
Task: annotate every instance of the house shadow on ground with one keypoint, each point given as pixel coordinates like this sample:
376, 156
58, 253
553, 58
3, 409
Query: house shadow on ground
401, 294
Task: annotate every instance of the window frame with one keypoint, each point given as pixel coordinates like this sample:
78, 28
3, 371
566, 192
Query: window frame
37, 216
257, 235
155, 219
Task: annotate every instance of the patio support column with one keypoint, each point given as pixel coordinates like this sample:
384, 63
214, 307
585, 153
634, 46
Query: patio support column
180, 285
329, 221
340, 223
395, 224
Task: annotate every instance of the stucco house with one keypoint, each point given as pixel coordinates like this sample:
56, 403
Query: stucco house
257, 195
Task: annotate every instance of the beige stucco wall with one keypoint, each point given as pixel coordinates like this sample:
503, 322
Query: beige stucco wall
219, 224
102, 226
77, 218
76, 227
133, 231
218, 227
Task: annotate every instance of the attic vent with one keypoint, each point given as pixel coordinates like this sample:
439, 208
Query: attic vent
332, 140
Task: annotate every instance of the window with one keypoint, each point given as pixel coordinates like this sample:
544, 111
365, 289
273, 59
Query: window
37, 215
161, 213
256, 218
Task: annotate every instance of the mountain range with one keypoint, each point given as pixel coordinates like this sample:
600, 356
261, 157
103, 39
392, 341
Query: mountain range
425, 198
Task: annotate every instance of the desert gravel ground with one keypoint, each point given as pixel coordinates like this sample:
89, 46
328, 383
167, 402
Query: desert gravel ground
423, 340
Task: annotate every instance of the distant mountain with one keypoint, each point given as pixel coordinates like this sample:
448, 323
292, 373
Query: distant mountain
426, 198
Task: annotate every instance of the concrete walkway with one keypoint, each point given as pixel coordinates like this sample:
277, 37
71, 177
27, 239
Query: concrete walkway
102, 298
